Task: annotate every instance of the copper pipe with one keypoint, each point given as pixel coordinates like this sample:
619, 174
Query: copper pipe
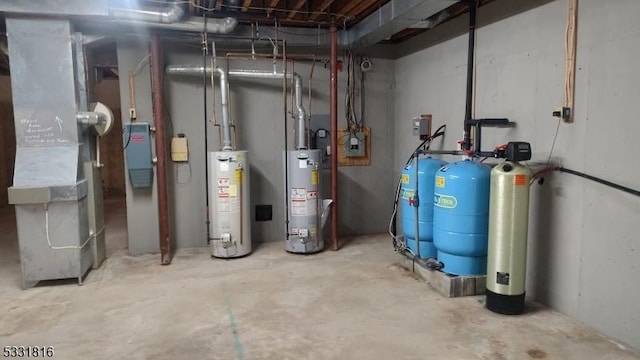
157, 73
333, 107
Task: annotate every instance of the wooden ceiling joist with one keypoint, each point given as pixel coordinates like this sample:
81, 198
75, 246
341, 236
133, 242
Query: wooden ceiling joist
351, 5
272, 6
296, 8
323, 7
360, 9
246, 5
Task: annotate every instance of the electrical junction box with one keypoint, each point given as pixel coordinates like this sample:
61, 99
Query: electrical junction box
137, 142
422, 126
179, 149
354, 144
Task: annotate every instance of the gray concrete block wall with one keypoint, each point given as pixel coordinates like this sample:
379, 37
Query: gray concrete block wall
583, 245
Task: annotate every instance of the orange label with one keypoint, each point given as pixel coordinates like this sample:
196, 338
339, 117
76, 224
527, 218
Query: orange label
520, 180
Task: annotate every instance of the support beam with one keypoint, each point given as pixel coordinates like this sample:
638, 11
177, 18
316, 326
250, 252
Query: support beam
324, 6
296, 8
157, 73
333, 110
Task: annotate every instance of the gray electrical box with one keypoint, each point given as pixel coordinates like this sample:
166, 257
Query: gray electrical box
422, 126
354, 144
137, 142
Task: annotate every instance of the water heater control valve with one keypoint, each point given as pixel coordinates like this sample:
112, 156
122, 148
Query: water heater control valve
226, 240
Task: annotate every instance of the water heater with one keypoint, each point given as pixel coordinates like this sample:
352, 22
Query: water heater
508, 226
304, 207
230, 224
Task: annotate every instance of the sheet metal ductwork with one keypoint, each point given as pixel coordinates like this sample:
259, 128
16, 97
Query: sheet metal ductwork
162, 15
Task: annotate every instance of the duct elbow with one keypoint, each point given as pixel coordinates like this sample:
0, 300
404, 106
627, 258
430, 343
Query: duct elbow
169, 15
174, 14
225, 25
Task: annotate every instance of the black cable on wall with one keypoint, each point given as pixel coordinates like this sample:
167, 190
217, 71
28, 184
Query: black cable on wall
600, 181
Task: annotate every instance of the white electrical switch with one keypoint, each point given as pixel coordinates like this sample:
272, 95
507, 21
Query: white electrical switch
354, 141
322, 133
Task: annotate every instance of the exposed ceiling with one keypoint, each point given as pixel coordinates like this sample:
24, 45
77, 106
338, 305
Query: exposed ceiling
306, 13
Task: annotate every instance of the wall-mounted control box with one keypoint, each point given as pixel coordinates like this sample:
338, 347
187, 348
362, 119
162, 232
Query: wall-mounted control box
137, 145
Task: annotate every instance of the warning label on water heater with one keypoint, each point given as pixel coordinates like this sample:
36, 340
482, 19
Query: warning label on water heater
298, 202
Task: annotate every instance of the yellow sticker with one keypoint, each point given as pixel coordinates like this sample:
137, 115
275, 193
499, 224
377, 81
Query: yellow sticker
237, 176
233, 190
440, 181
314, 177
405, 178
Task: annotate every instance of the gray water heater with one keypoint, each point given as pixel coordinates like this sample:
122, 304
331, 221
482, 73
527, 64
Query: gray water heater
304, 231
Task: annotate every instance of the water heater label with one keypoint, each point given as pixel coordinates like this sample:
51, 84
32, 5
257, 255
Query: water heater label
312, 203
314, 177
440, 181
298, 202
445, 201
405, 178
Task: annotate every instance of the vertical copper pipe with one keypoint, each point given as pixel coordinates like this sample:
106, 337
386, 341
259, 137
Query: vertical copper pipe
157, 72
333, 107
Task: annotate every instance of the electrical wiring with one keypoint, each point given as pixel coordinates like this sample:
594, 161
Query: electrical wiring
539, 173
71, 247
177, 170
570, 66
553, 144
392, 223
132, 94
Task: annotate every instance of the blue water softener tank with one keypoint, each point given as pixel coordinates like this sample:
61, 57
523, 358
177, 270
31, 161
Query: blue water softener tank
427, 168
461, 217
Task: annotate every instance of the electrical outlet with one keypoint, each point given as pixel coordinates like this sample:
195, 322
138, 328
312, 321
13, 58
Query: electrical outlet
354, 146
563, 113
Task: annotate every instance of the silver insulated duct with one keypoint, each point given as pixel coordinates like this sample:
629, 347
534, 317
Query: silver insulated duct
171, 17
162, 15
194, 70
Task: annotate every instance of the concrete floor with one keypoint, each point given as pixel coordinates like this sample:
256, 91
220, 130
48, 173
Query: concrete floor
353, 304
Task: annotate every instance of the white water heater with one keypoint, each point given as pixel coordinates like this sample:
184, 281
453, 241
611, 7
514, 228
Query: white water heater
230, 224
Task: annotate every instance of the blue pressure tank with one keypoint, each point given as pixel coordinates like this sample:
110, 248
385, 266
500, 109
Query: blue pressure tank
427, 168
461, 217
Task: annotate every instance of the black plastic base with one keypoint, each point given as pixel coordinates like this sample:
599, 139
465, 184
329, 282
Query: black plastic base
505, 304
